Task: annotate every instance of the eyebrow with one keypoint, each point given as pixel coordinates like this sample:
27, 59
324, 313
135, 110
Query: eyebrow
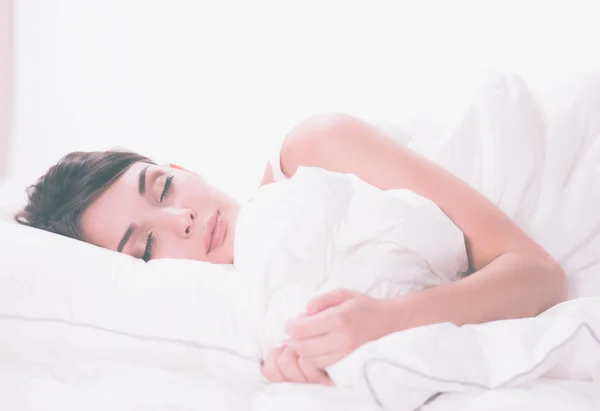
126, 237
142, 181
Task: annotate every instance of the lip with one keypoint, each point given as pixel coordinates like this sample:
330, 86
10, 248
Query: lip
219, 233
210, 228
216, 230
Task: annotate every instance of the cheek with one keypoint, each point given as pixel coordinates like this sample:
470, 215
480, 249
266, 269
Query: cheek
97, 228
192, 188
204, 201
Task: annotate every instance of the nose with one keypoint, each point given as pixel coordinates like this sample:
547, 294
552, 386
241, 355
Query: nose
181, 221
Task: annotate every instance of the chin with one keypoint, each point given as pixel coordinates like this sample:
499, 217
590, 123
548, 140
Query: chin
220, 259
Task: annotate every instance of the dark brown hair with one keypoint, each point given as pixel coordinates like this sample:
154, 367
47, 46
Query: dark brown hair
59, 197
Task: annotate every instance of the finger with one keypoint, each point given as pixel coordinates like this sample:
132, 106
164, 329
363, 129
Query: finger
324, 361
270, 369
272, 373
327, 300
316, 346
313, 374
311, 326
289, 367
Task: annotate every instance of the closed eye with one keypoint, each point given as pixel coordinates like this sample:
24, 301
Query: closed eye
149, 245
167, 188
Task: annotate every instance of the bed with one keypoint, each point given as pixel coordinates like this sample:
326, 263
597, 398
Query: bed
85, 328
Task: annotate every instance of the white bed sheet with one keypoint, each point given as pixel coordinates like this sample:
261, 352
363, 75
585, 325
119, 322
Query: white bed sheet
534, 152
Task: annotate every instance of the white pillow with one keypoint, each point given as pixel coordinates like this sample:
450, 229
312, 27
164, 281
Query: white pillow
49, 279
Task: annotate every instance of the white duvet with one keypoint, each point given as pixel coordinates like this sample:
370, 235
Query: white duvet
137, 342
320, 231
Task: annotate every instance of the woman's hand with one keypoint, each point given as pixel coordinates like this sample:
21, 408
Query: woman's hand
336, 323
284, 365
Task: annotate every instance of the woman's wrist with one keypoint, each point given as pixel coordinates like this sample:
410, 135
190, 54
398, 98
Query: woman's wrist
396, 315
410, 311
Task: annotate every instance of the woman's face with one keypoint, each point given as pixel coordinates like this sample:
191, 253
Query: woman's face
154, 212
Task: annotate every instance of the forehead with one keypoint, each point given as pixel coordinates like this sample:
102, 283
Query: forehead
108, 217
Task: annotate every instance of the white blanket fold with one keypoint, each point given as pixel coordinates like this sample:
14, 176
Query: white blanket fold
320, 231
403, 370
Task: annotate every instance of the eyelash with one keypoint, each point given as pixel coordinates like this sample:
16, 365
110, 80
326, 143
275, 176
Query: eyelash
167, 188
150, 241
149, 245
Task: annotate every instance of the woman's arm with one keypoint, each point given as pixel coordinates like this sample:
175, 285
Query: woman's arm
514, 276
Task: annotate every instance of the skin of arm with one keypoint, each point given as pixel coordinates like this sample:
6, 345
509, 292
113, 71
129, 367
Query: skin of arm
514, 277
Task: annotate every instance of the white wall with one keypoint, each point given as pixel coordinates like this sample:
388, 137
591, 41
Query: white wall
212, 84
6, 63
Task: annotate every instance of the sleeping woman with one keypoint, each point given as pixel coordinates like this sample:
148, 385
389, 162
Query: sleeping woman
125, 202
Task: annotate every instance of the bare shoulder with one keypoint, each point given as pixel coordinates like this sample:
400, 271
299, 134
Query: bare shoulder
318, 139
304, 144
